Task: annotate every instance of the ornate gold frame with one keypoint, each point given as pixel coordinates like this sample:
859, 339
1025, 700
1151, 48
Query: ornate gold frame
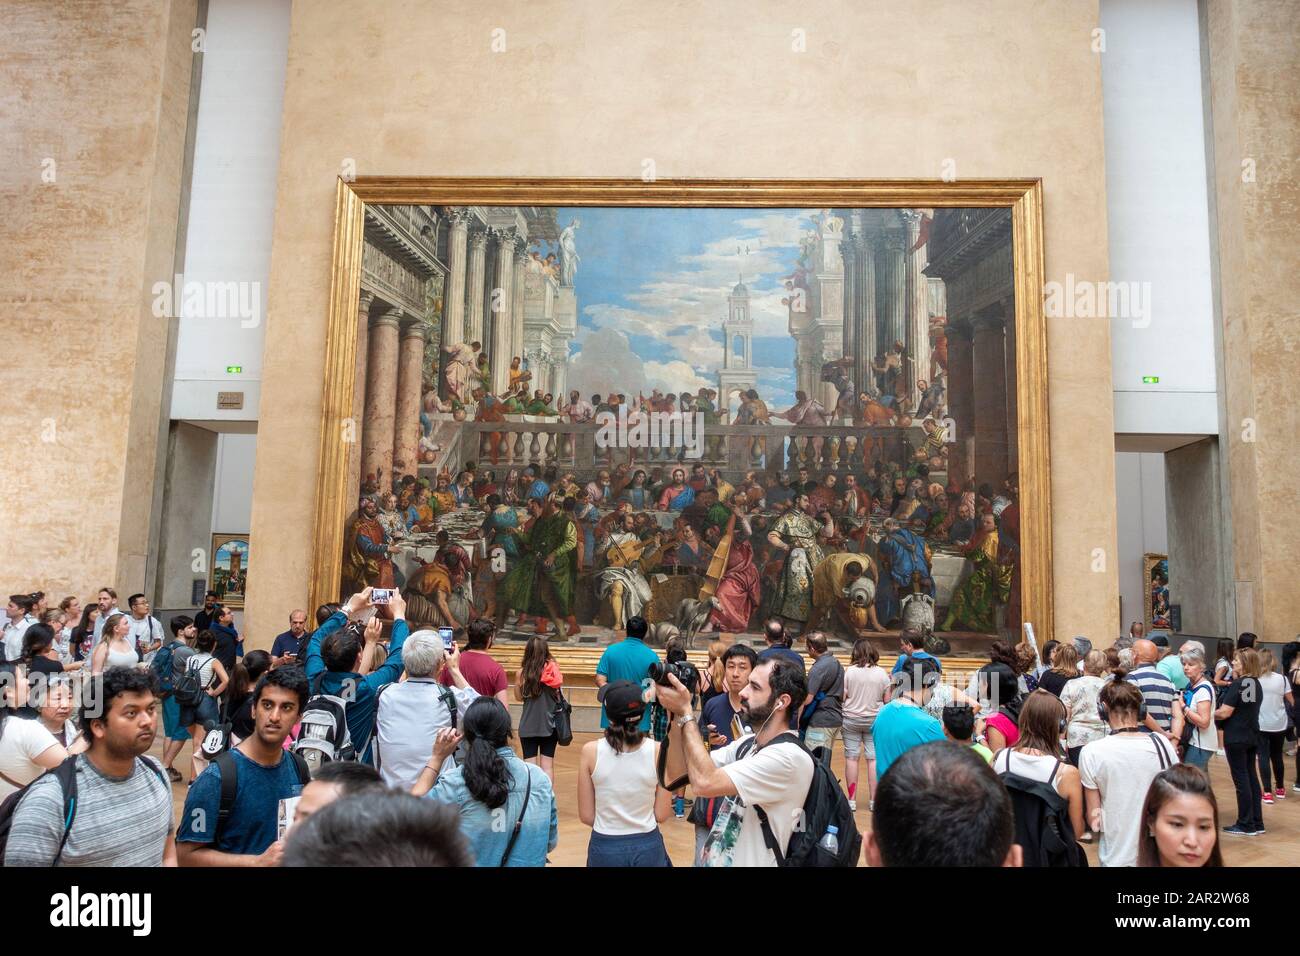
1024, 197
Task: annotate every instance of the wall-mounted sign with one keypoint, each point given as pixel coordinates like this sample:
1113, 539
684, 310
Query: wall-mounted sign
230, 400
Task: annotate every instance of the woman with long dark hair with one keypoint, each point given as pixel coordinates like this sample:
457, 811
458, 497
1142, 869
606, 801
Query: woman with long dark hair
1180, 820
239, 701
1001, 698
538, 685
84, 633
507, 807
619, 795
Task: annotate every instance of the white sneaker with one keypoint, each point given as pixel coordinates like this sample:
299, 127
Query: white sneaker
853, 805
1222, 753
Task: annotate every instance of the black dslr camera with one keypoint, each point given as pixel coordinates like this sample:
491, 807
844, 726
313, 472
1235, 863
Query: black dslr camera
684, 671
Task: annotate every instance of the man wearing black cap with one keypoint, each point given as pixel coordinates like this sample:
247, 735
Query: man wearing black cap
767, 768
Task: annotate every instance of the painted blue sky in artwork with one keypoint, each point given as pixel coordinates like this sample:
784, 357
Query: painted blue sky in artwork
652, 288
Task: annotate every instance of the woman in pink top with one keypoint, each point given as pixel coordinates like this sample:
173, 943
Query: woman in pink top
999, 692
866, 690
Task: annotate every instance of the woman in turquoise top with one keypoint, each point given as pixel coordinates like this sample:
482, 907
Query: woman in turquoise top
495, 791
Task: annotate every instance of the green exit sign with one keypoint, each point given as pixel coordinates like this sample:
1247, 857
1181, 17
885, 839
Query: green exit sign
236, 369
1146, 379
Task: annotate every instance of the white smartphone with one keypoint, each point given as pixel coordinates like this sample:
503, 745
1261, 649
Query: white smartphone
381, 595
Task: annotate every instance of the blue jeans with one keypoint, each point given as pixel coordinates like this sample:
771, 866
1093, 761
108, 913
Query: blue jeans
1198, 757
632, 849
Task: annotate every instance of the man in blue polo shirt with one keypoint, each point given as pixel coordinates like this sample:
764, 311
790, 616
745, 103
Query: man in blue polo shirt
292, 642
903, 723
629, 659
778, 644
912, 644
334, 654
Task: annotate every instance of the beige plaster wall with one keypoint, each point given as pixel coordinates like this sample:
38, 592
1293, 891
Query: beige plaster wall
1009, 88
1254, 60
100, 89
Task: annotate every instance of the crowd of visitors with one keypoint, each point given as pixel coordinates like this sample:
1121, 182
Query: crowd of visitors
320, 750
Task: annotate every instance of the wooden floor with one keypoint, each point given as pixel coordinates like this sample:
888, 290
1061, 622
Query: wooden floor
1279, 847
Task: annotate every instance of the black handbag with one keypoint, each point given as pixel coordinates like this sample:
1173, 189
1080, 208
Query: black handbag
562, 719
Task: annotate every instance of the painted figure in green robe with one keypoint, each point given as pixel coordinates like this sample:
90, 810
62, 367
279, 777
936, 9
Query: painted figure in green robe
542, 582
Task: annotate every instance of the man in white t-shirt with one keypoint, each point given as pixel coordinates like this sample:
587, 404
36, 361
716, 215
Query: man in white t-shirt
18, 618
1117, 772
146, 633
758, 769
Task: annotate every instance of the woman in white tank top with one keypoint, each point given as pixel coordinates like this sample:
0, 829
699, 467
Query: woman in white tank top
115, 648
619, 795
1038, 755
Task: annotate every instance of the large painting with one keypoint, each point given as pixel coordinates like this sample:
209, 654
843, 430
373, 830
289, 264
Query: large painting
566, 415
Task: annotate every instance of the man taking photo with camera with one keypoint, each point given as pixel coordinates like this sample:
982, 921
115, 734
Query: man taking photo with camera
766, 774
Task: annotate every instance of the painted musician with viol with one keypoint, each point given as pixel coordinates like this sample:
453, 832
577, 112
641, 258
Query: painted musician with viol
622, 582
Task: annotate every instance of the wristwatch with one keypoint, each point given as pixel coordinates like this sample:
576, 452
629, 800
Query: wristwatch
683, 721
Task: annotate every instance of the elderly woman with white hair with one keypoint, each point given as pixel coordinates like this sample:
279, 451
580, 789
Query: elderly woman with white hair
1194, 709
409, 714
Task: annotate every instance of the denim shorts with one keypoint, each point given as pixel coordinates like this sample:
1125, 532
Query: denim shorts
172, 726
207, 711
632, 849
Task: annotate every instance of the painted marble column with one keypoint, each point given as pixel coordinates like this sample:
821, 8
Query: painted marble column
895, 289
379, 424
476, 281
453, 323
864, 342
358, 400
503, 282
410, 381
1013, 404
990, 351
517, 304
961, 401
918, 319
849, 247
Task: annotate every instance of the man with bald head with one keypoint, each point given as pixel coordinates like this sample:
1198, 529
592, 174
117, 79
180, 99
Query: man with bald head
1157, 689
290, 647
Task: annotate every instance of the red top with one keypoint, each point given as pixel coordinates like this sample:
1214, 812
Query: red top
481, 672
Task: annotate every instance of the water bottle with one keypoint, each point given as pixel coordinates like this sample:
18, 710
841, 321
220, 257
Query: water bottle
830, 842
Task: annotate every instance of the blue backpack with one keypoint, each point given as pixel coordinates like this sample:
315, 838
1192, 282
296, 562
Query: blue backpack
161, 665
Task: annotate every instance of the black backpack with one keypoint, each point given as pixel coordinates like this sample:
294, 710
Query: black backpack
66, 774
1043, 827
825, 806
188, 689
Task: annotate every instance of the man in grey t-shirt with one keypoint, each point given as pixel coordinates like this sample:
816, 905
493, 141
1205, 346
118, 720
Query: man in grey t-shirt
124, 803
825, 677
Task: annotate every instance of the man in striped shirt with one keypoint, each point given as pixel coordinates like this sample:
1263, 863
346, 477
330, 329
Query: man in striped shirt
1157, 689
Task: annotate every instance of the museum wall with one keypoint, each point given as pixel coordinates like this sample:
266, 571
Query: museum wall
704, 89
1254, 82
95, 99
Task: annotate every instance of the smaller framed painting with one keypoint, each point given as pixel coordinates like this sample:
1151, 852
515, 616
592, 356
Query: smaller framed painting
1155, 581
228, 572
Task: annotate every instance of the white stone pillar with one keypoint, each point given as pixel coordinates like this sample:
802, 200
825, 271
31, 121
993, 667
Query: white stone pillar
359, 399
379, 428
918, 310
410, 382
503, 282
453, 323
517, 303
476, 282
